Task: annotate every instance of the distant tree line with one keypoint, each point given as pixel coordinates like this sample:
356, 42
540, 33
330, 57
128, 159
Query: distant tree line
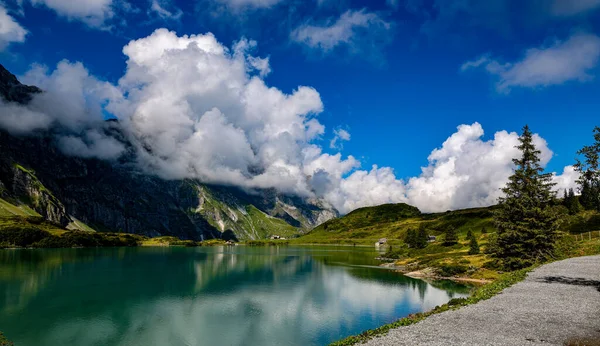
417, 239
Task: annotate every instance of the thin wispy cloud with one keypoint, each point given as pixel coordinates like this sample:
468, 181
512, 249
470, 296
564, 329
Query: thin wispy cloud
351, 30
93, 13
165, 9
339, 136
573, 7
554, 64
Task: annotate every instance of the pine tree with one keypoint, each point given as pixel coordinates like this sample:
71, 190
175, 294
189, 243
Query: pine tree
450, 238
527, 226
589, 170
411, 238
422, 239
473, 246
469, 235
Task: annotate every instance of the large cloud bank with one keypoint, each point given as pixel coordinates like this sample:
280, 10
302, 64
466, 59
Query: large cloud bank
194, 108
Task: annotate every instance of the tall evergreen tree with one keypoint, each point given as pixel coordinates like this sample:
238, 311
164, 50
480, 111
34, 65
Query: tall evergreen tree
527, 226
411, 238
589, 170
422, 238
450, 237
473, 246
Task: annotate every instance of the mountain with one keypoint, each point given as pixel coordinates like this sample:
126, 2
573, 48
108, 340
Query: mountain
392, 221
37, 179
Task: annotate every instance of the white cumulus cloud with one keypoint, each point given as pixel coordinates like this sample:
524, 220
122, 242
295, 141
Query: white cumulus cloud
194, 108
465, 171
10, 30
560, 62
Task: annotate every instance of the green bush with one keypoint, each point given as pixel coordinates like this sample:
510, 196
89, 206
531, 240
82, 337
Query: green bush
21, 236
85, 239
451, 269
392, 253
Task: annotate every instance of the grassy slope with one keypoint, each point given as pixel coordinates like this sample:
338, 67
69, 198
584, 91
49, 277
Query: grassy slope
365, 226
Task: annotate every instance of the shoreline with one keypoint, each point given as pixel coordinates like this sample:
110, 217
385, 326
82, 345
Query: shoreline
428, 273
420, 275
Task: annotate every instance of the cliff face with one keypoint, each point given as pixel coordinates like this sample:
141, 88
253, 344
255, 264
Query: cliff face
115, 196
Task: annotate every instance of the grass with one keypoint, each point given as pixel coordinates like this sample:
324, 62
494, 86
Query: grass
79, 225
480, 293
9, 209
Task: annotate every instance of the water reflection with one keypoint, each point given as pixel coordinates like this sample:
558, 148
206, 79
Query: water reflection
204, 296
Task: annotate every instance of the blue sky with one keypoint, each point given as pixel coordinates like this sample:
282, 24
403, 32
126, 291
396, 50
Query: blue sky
397, 76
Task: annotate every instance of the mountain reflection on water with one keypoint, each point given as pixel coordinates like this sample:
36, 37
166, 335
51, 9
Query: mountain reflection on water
203, 296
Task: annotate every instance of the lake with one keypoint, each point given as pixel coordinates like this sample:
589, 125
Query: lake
204, 296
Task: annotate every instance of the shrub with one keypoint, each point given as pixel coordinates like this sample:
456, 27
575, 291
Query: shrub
451, 269
393, 254
21, 236
85, 239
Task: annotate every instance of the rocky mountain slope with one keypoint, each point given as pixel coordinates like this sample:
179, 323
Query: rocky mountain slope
107, 196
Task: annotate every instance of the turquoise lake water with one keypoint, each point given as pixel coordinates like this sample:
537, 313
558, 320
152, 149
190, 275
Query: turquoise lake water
204, 296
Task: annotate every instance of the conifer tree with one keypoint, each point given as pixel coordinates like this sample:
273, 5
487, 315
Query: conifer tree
450, 237
473, 246
469, 235
422, 238
527, 225
589, 170
411, 238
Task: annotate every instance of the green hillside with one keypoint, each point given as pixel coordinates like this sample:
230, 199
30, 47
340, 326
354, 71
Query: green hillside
367, 225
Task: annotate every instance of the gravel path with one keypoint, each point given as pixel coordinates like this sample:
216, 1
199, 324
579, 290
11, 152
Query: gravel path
557, 303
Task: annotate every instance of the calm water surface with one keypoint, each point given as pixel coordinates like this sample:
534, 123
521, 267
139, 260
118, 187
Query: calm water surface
203, 296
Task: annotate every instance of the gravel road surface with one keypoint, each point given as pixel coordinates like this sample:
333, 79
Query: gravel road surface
557, 304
